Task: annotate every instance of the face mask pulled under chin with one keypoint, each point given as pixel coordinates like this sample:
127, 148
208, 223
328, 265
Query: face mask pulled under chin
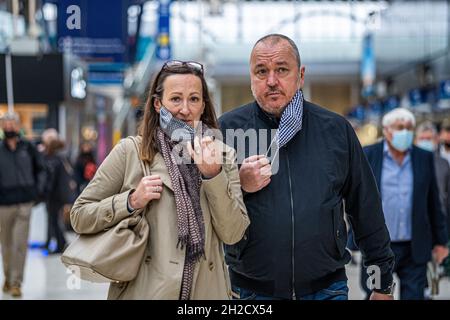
177, 130
10, 134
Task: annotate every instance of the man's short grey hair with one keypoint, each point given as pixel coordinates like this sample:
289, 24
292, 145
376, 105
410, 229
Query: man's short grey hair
11, 116
274, 38
401, 114
426, 126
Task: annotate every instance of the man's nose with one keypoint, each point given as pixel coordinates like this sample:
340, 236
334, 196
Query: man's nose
272, 79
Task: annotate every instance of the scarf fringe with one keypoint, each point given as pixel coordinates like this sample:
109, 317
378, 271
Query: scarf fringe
182, 241
196, 253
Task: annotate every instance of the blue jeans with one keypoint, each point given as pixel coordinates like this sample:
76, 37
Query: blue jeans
336, 291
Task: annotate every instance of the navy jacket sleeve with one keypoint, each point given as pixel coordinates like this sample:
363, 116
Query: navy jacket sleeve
365, 213
447, 199
437, 217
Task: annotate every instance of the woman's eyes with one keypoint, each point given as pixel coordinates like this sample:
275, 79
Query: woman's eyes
191, 99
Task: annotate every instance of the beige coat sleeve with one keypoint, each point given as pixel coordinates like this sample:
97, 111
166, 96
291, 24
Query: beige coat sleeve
102, 205
224, 194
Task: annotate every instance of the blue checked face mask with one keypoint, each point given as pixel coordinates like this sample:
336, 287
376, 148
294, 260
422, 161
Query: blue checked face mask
174, 128
290, 125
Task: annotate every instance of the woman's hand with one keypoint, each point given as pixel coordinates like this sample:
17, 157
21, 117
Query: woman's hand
149, 188
207, 155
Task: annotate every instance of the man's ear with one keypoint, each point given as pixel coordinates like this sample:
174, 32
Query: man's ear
387, 134
157, 104
301, 77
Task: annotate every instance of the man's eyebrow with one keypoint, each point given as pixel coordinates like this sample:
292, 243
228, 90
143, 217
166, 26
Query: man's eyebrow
279, 63
259, 65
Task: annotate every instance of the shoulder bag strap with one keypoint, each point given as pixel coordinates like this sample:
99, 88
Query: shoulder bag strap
141, 162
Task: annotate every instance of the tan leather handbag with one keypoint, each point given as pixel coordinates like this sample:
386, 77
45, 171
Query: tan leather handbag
113, 255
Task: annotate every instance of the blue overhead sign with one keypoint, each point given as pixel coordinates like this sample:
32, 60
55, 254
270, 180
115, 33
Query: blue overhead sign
106, 73
163, 50
358, 113
368, 66
95, 30
444, 89
444, 95
416, 97
391, 103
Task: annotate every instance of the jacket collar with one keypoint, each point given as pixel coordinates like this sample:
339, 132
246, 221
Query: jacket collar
378, 162
19, 144
270, 120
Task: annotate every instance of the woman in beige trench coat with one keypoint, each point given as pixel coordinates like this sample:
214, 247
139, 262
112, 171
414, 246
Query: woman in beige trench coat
192, 207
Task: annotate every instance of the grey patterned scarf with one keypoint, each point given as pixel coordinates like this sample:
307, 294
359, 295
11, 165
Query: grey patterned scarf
186, 182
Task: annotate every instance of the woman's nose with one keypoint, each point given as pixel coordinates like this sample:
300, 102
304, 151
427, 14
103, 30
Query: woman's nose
185, 108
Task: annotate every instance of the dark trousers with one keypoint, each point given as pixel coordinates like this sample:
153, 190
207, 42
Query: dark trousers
54, 229
413, 276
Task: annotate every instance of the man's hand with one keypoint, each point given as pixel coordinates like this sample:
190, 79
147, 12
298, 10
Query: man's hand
440, 252
255, 173
380, 296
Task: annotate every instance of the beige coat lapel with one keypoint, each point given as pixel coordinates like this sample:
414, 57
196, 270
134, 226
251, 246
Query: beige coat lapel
158, 167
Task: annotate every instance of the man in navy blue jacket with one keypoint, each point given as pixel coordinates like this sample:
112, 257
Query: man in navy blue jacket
406, 178
299, 162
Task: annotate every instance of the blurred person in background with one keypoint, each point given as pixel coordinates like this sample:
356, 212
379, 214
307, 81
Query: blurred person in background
85, 166
407, 182
427, 138
22, 179
444, 137
57, 184
295, 246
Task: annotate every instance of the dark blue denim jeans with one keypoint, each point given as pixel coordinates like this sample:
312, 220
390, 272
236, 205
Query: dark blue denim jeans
336, 291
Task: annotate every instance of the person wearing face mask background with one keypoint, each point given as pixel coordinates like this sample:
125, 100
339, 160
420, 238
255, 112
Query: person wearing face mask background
406, 178
444, 137
191, 198
22, 179
427, 138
